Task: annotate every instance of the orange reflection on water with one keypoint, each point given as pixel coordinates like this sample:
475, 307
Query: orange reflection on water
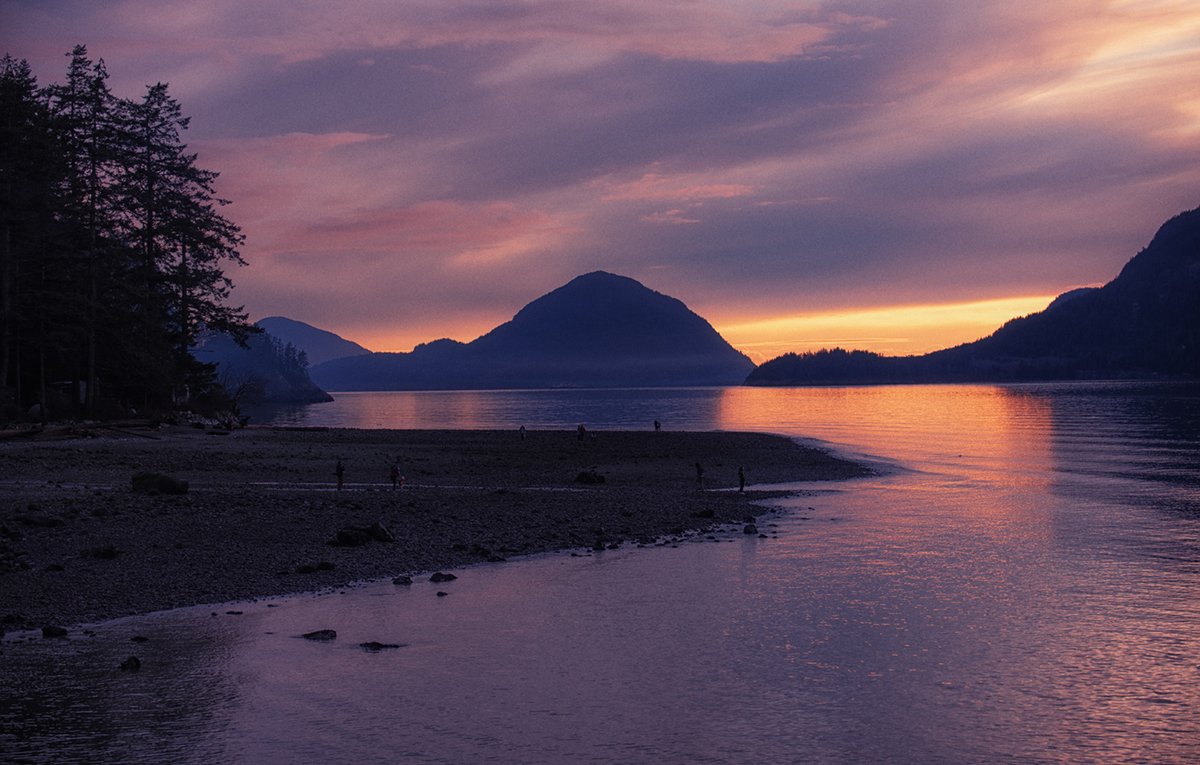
979, 434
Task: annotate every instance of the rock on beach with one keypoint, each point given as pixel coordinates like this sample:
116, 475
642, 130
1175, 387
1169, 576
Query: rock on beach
259, 508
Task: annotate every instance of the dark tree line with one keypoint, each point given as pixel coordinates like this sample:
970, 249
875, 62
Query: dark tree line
112, 248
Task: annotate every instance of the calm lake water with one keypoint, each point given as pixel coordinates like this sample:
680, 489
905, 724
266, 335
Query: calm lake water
1020, 584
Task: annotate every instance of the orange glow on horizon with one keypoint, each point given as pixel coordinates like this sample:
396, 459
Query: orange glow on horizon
892, 330
899, 330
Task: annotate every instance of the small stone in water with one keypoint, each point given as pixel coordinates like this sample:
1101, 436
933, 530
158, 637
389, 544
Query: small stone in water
320, 635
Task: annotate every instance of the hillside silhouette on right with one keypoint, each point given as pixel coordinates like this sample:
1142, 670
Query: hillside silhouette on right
1144, 324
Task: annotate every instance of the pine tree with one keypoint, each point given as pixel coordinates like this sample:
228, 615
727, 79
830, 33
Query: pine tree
114, 245
182, 240
84, 112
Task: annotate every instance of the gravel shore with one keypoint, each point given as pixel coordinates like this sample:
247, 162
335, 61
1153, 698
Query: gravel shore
78, 545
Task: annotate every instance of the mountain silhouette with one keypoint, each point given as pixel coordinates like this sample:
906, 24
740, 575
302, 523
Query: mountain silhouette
267, 371
598, 330
318, 344
1145, 323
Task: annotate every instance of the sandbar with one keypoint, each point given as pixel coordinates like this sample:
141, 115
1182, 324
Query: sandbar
77, 545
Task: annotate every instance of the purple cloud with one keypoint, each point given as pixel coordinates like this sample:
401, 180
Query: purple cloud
411, 170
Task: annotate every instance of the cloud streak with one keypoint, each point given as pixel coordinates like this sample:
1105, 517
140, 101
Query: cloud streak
419, 169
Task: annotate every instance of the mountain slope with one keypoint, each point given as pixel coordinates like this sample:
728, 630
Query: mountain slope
319, 345
598, 330
267, 371
1144, 323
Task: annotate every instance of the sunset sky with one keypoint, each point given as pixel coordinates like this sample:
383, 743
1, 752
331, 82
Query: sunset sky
890, 176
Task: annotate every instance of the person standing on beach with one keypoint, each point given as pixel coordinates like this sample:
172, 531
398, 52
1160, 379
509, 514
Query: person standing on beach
339, 470
741, 480
699, 476
522, 432
394, 474
582, 431
657, 426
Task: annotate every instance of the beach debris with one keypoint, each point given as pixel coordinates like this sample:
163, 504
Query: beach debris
312, 568
132, 664
320, 635
402, 580
42, 521
441, 594
54, 631
375, 646
104, 552
437, 577
350, 536
139, 639
157, 483
589, 477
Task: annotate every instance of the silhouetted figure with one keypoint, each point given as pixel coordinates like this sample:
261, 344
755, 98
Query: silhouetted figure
741, 480
657, 426
699, 476
394, 474
581, 431
522, 432
339, 470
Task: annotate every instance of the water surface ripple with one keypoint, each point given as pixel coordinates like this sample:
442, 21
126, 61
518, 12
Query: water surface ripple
1021, 585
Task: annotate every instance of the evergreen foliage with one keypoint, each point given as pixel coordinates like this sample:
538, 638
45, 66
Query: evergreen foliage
113, 248
265, 370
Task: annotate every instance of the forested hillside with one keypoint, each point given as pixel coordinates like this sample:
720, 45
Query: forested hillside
113, 248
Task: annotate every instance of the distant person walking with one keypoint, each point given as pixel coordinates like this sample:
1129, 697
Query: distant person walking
339, 471
741, 480
522, 432
394, 475
581, 431
657, 426
700, 476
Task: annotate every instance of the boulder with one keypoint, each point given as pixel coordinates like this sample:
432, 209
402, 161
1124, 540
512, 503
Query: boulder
357, 536
437, 577
380, 533
402, 580
132, 664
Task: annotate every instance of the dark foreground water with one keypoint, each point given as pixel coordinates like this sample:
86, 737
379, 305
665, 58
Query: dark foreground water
1023, 585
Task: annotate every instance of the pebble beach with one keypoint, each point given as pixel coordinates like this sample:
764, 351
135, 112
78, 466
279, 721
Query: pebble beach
262, 515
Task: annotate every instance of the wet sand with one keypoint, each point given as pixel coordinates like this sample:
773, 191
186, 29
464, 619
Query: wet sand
77, 545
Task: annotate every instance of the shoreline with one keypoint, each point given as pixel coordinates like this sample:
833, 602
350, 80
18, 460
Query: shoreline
77, 545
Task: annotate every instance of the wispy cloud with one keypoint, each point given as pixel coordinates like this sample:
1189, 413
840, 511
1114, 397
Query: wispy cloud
408, 170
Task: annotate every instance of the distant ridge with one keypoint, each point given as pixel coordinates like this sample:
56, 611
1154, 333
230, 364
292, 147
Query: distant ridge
1145, 323
267, 371
598, 330
318, 344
